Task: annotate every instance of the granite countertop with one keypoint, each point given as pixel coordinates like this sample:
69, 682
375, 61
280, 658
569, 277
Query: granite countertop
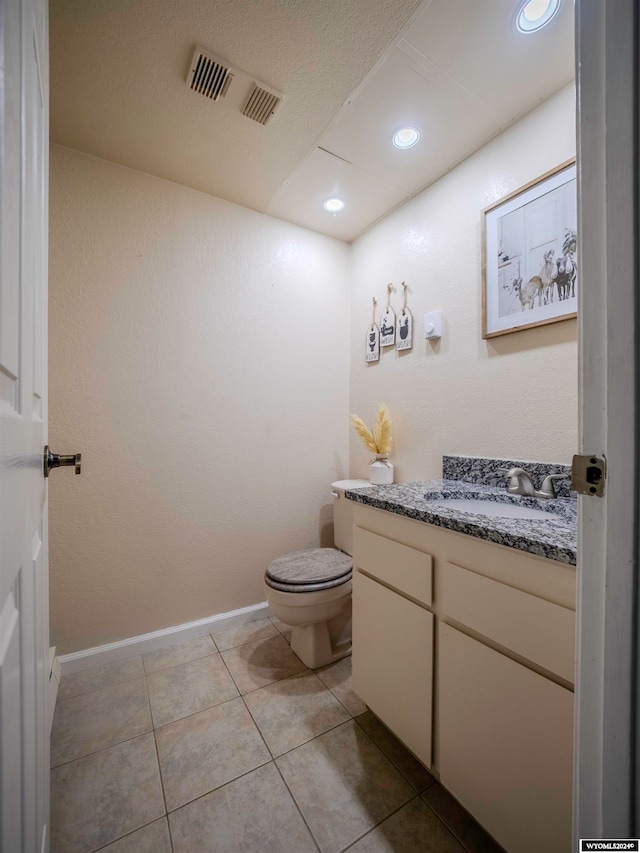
555, 538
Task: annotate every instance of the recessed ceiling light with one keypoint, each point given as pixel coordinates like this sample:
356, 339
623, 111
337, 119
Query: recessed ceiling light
333, 205
406, 137
532, 15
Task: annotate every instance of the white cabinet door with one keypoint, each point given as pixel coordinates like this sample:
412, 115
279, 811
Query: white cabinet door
24, 672
393, 662
505, 744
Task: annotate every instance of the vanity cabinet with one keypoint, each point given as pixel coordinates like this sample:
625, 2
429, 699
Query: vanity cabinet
465, 649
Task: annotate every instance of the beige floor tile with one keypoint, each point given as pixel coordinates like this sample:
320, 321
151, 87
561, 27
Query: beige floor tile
465, 828
285, 630
258, 664
343, 784
337, 677
99, 676
207, 750
199, 647
102, 718
103, 796
293, 711
189, 687
252, 814
414, 828
409, 766
153, 838
248, 633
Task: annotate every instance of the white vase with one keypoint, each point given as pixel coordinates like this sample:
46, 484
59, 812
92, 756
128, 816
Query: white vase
381, 470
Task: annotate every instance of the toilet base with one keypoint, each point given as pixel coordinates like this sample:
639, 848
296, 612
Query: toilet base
312, 644
320, 622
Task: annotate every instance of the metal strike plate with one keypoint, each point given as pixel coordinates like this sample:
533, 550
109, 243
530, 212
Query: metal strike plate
588, 474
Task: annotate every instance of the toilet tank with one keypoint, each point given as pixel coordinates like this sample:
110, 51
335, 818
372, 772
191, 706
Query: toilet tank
343, 513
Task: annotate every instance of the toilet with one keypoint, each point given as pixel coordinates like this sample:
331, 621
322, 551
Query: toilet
311, 589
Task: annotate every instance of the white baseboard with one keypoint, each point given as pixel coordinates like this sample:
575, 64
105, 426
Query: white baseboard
132, 646
54, 681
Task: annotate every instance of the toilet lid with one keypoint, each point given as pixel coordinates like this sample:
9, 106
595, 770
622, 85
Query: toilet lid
306, 587
317, 567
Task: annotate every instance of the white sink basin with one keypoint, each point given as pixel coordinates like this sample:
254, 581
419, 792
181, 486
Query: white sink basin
493, 509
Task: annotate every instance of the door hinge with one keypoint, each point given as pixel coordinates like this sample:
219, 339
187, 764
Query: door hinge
588, 475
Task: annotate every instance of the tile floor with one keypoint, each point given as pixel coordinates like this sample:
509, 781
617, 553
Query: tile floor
228, 744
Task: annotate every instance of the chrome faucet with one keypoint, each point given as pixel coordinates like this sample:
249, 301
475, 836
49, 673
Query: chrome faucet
520, 483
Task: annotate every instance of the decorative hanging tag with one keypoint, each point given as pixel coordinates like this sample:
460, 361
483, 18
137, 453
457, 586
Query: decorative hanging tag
373, 337
388, 323
404, 328
404, 325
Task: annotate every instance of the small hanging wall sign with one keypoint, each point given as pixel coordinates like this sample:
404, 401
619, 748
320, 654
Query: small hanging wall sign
388, 323
404, 325
373, 337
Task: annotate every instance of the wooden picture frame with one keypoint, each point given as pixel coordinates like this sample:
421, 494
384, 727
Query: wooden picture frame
529, 249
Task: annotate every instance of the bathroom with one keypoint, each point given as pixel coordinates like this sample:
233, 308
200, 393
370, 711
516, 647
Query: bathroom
242, 336
218, 353
207, 322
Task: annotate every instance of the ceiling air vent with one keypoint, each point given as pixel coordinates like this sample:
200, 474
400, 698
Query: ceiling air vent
262, 104
208, 75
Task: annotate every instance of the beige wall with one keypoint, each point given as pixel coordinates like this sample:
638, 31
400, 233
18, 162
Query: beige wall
199, 360
512, 396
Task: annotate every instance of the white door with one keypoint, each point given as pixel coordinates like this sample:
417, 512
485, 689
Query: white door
24, 628
606, 789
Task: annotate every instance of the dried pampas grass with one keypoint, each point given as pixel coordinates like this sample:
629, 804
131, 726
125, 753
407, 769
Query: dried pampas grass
367, 439
382, 430
379, 440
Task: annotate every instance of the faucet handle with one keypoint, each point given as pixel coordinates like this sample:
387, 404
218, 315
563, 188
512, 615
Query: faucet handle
548, 489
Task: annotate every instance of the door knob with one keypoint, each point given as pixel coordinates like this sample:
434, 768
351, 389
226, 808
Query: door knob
55, 460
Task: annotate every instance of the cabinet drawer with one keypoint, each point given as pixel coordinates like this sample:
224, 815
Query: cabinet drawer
538, 630
393, 661
400, 566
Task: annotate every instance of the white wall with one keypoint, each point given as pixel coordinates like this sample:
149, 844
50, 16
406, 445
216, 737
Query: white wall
199, 361
512, 396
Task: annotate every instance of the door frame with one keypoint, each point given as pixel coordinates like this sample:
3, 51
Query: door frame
605, 795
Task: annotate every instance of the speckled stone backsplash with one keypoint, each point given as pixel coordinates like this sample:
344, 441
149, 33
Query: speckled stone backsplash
484, 471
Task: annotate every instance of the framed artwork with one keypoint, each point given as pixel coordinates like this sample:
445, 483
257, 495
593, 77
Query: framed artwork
529, 269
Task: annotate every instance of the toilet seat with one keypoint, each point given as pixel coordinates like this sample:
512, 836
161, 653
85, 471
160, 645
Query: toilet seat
310, 570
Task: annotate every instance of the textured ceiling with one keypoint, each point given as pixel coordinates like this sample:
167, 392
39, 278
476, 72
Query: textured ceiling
462, 73
118, 91
351, 72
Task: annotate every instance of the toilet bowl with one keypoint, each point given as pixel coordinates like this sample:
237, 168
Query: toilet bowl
310, 590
